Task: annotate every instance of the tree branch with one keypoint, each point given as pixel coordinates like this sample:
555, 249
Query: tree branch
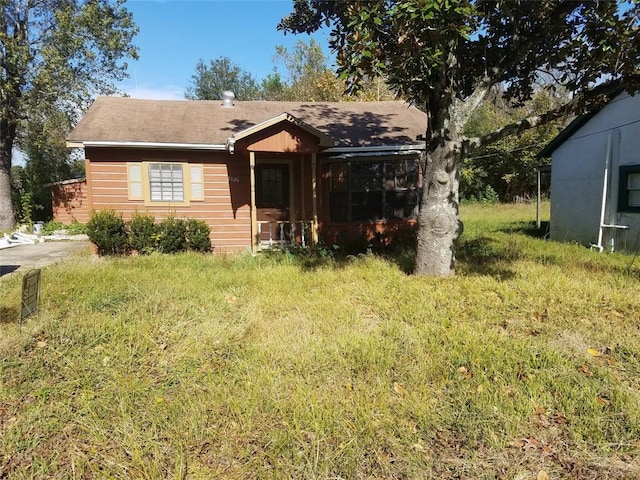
579, 104
463, 109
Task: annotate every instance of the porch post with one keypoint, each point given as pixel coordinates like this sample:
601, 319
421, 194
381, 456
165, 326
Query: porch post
314, 188
254, 217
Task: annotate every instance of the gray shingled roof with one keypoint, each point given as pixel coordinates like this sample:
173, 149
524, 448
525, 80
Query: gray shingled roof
118, 119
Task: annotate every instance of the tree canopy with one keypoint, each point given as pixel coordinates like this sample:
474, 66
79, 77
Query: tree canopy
446, 56
306, 77
55, 54
209, 81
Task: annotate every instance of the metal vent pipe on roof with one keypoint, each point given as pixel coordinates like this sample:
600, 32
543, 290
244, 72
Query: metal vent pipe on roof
227, 99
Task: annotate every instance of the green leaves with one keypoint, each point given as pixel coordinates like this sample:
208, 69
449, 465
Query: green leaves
221, 74
55, 55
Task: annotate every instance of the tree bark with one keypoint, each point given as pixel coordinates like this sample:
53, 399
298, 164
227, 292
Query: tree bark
439, 221
7, 137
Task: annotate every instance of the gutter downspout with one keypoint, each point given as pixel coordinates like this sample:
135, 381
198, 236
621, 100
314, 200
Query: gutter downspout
603, 208
603, 225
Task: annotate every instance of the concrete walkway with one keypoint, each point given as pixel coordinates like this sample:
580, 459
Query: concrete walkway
26, 257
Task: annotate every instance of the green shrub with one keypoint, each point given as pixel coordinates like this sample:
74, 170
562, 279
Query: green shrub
107, 232
76, 228
489, 196
198, 236
172, 235
51, 227
143, 233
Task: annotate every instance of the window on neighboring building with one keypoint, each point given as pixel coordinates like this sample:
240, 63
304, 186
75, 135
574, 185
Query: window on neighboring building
629, 190
378, 190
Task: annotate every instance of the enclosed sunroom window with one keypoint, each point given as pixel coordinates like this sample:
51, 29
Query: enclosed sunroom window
375, 190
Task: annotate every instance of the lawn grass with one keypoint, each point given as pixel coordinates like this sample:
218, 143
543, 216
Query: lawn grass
204, 366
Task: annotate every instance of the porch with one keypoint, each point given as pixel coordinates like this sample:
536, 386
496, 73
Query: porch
284, 200
284, 234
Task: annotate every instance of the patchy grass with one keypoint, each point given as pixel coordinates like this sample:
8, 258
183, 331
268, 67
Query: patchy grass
195, 366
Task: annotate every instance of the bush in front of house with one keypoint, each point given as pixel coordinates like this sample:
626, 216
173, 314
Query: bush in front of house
73, 228
143, 233
172, 235
198, 236
52, 226
111, 235
76, 228
106, 230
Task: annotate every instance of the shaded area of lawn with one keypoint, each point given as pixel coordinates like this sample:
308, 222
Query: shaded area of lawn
322, 366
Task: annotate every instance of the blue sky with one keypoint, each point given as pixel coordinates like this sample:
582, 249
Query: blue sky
175, 34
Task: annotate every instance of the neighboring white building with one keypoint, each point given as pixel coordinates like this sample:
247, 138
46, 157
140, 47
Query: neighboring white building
595, 178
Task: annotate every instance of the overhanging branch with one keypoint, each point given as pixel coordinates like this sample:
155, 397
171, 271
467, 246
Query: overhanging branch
579, 104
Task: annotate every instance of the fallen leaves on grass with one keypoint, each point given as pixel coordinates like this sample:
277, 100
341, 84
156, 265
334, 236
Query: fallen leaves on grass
586, 370
399, 389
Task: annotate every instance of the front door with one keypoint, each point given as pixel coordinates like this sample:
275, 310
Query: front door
272, 201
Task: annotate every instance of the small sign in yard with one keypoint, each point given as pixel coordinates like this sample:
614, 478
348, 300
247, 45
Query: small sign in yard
30, 294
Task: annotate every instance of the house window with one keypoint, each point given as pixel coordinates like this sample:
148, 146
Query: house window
272, 186
175, 183
629, 190
165, 182
366, 191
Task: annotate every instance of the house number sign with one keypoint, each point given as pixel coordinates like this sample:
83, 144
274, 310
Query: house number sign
30, 294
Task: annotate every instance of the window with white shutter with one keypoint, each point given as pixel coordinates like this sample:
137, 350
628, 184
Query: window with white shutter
134, 173
175, 183
197, 182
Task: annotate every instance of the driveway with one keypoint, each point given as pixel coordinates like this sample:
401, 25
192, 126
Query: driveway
26, 257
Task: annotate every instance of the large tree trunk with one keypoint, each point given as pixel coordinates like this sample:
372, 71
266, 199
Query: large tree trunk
7, 136
439, 223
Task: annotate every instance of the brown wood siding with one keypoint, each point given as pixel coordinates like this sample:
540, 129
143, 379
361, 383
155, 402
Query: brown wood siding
282, 138
69, 202
226, 191
378, 234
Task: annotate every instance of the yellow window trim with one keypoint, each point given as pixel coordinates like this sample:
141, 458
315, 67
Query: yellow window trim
191, 174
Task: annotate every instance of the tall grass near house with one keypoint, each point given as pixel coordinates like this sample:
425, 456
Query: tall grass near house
203, 366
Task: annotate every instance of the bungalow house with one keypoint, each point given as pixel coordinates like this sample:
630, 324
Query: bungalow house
595, 177
259, 173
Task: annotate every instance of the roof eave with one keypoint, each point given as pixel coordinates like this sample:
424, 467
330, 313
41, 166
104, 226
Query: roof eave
376, 148
564, 135
150, 145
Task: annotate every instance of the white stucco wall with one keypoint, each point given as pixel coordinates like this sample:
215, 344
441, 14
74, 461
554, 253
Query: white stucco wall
577, 176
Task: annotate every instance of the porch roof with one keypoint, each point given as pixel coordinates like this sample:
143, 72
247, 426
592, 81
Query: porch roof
118, 120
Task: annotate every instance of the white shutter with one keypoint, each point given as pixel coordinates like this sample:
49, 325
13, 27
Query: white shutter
197, 182
134, 177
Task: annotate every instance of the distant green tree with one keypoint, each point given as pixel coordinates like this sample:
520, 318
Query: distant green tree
274, 88
47, 160
508, 166
55, 52
309, 78
221, 75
